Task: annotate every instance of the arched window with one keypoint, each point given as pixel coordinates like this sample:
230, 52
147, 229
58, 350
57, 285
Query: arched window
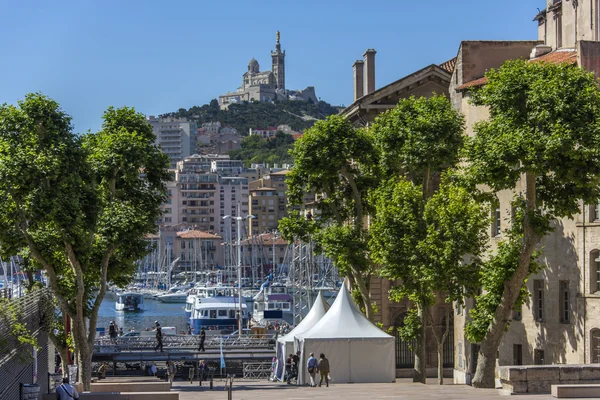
595, 346
594, 271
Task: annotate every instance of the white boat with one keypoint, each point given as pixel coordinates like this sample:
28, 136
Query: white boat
217, 316
273, 304
173, 297
129, 301
212, 294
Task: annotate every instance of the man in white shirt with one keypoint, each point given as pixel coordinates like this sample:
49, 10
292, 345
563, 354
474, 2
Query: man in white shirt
66, 391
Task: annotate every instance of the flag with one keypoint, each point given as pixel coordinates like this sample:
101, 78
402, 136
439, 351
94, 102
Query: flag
222, 357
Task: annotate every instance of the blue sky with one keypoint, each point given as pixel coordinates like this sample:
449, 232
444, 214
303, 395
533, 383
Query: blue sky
159, 56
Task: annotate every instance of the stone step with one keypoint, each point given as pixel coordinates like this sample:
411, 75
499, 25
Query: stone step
122, 396
575, 391
130, 387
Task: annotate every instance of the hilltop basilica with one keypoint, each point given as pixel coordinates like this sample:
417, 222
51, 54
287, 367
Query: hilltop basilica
266, 85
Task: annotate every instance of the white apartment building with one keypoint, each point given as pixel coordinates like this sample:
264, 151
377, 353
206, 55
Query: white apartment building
176, 137
233, 192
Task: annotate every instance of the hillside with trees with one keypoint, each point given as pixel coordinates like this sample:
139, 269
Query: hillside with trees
255, 149
299, 115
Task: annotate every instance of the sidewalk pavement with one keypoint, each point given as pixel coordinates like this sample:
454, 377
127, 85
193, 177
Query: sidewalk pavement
402, 389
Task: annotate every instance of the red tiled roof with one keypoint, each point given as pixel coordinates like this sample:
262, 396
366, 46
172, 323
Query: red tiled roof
297, 136
265, 239
558, 56
449, 65
473, 83
193, 234
555, 57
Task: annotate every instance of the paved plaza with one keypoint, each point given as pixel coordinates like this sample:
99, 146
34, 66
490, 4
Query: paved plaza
402, 389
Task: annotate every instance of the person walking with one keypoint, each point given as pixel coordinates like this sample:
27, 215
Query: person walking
66, 391
153, 369
159, 337
171, 370
102, 370
312, 366
202, 339
324, 369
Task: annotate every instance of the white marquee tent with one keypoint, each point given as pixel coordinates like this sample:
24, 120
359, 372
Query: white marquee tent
285, 344
357, 350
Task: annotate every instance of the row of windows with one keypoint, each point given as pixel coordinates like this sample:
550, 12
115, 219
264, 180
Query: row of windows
538, 355
538, 302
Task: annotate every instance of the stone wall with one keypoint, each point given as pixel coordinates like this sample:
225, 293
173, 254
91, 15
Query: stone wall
538, 379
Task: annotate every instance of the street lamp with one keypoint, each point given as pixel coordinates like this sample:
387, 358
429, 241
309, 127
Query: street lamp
239, 220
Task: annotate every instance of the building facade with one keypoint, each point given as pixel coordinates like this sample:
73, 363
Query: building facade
559, 323
176, 137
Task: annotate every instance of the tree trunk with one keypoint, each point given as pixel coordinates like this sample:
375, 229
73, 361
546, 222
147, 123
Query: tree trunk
364, 293
440, 360
420, 366
485, 375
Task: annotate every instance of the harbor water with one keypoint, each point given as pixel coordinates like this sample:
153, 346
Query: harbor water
167, 314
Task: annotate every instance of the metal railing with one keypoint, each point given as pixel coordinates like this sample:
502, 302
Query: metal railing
257, 370
184, 342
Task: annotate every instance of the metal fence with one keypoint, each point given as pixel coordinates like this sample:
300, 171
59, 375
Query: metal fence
16, 360
257, 370
133, 343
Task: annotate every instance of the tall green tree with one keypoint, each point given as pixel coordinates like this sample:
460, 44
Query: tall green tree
337, 161
81, 205
433, 246
416, 141
543, 141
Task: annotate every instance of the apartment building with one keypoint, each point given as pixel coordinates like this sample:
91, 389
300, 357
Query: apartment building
233, 195
176, 137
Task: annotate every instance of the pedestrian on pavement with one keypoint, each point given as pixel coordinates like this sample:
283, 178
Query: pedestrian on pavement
159, 337
202, 339
66, 391
289, 362
171, 371
324, 369
153, 369
102, 370
189, 332
312, 366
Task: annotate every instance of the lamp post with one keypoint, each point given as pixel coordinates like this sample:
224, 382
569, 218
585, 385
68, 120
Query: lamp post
239, 220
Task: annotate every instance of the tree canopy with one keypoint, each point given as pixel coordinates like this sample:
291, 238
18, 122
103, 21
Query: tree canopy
299, 115
80, 205
543, 141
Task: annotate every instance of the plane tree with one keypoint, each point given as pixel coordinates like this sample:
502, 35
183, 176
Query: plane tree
542, 140
80, 204
336, 161
416, 142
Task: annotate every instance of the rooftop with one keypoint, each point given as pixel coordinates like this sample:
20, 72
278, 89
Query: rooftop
194, 234
568, 56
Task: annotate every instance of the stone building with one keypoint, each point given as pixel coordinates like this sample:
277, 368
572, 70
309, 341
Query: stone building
260, 85
559, 323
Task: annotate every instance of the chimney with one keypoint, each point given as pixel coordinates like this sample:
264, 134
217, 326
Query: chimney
369, 57
540, 50
359, 82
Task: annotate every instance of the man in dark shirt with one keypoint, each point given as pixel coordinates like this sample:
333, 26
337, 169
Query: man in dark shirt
159, 337
202, 339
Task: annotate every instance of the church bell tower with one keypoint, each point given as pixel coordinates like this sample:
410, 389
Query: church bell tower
278, 64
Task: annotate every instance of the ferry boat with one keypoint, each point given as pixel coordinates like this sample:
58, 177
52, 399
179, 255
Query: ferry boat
198, 294
273, 303
218, 316
129, 301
